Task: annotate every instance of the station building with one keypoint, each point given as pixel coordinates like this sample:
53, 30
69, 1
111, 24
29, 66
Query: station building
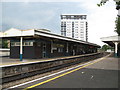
41, 43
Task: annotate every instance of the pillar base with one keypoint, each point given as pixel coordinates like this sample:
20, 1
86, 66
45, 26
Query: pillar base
116, 55
20, 57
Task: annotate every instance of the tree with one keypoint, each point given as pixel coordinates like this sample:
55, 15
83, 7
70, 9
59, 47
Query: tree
102, 2
3, 43
106, 47
117, 24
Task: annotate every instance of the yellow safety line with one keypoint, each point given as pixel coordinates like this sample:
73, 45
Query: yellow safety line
65, 73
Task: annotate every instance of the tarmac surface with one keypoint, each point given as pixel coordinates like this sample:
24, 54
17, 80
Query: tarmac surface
100, 73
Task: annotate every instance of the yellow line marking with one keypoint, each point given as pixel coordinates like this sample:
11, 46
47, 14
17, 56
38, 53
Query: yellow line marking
65, 73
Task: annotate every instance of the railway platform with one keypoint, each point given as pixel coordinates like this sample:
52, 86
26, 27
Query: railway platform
100, 73
7, 61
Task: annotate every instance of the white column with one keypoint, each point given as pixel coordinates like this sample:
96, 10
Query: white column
21, 48
116, 48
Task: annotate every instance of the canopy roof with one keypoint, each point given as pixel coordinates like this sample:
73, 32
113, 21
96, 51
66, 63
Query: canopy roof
12, 33
110, 40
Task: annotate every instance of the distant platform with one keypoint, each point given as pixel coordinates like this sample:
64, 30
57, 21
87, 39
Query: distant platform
7, 61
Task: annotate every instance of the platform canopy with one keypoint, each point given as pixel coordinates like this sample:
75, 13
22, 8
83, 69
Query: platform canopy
16, 33
113, 41
110, 40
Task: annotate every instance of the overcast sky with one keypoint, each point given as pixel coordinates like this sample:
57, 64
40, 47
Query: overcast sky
38, 14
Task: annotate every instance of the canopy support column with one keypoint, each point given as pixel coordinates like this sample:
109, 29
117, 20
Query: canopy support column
116, 48
21, 48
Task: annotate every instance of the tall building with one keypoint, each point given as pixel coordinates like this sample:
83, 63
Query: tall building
74, 26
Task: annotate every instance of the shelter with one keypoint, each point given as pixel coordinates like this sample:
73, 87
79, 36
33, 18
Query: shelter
113, 41
41, 43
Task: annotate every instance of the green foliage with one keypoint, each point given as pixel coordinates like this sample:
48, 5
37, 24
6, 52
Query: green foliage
3, 43
118, 5
102, 2
117, 24
106, 47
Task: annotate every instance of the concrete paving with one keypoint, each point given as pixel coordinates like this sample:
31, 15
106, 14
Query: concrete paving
102, 74
91, 78
110, 63
6, 61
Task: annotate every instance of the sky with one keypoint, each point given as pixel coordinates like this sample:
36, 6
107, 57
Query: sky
45, 14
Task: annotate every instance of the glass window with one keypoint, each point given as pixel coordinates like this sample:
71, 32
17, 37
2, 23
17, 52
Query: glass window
31, 44
24, 43
12, 43
28, 44
17, 43
60, 49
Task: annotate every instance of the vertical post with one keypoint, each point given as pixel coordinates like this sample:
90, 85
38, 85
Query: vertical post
51, 46
116, 48
21, 48
67, 48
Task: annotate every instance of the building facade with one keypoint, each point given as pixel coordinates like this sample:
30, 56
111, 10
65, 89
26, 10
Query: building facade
74, 26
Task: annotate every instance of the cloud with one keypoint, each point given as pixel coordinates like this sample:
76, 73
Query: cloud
26, 16
47, 15
101, 20
40, 1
